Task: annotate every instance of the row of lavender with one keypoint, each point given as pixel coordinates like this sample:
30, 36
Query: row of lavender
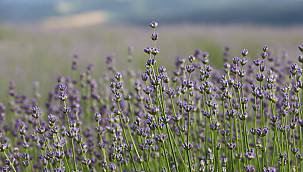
247, 117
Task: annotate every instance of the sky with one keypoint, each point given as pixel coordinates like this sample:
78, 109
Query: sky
259, 12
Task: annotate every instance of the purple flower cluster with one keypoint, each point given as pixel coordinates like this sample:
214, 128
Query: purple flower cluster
246, 117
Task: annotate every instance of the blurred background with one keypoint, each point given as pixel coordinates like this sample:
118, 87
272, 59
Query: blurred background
39, 38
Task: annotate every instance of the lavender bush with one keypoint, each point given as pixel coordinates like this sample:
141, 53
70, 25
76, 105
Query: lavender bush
247, 117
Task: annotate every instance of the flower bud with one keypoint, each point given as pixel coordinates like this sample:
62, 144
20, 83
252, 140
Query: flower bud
154, 24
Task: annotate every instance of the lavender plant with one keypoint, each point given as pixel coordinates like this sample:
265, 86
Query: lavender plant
246, 117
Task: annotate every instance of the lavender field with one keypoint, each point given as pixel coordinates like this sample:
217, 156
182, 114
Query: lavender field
151, 98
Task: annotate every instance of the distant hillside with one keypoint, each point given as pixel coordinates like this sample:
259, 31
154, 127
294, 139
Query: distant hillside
271, 12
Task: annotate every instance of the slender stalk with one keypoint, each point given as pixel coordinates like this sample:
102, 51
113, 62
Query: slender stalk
74, 155
131, 137
188, 142
10, 162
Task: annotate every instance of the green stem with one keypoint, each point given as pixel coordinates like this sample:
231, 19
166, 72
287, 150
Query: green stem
188, 141
10, 162
74, 155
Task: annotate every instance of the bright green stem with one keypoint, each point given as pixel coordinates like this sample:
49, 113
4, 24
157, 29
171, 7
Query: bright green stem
67, 163
10, 162
124, 134
188, 142
74, 155
171, 147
